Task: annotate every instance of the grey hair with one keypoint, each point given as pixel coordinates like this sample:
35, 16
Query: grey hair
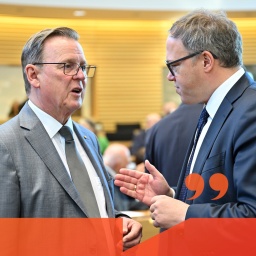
211, 31
33, 49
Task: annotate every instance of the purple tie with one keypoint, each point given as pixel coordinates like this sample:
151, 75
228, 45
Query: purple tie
201, 123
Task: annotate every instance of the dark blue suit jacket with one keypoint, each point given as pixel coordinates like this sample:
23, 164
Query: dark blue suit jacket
168, 140
229, 148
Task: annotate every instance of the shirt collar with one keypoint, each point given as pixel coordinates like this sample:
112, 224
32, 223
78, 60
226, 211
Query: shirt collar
51, 125
221, 92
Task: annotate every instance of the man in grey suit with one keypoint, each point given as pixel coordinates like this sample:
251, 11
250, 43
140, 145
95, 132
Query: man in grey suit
35, 179
204, 57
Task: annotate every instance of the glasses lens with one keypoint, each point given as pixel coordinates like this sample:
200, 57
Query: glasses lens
90, 71
170, 69
71, 69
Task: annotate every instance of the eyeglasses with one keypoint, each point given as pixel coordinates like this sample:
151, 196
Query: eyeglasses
71, 69
170, 65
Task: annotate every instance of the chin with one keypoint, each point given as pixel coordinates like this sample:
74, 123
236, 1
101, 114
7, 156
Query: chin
79, 103
188, 101
75, 107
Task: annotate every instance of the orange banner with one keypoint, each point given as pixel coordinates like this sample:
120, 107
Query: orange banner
200, 237
103, 237
60, 237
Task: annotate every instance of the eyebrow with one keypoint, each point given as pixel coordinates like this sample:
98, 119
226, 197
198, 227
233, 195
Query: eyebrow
74, 61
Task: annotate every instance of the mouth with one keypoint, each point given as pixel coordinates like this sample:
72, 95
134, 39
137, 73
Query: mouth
77, 90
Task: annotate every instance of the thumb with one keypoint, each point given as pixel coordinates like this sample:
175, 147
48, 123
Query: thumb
152, 169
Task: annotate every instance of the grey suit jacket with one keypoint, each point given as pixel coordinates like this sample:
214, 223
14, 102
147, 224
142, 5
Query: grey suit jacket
33, 179
229, 148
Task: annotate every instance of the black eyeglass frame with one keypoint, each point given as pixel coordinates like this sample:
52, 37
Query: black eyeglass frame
83, 67
169, 64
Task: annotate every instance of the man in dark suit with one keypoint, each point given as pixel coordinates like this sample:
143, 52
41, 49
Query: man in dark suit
167, 141
204, 57
35, 175
139, 137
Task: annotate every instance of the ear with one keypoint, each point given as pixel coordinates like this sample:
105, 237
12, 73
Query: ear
208, 61
32, 72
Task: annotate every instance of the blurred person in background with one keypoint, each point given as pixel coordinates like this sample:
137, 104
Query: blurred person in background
139, 137
169, 107
139, 159
167, 142
97, 129
115, 157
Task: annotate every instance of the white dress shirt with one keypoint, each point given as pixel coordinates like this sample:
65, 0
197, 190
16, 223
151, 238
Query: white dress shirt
213, 105
52, 127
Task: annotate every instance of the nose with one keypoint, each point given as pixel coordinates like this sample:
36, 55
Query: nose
171, 77
81, 74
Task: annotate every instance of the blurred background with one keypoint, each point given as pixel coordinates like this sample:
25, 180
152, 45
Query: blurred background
124, 39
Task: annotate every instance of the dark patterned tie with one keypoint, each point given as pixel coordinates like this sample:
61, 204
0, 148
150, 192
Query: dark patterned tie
201, 123
79, 174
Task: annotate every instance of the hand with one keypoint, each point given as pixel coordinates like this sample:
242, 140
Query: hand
167, 212
132, 233
140, 167
142, 186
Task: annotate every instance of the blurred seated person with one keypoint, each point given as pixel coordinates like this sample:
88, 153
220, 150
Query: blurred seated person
115, 157
139, 159
168, 141
97, 128
139, 138
169, 107
16, 107
87, 123
102, 137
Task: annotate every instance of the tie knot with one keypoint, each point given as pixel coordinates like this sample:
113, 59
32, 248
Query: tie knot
203, 118
66, 132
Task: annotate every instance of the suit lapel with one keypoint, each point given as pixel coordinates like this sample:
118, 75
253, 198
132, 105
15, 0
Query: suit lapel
218, 121
43, 145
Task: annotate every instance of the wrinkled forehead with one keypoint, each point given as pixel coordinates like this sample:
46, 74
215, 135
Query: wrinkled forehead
63, 49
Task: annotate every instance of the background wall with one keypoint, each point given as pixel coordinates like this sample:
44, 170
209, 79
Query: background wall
129, 55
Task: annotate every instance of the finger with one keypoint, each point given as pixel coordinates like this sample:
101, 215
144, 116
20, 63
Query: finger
132, 237
152, 208
131, 173
152, 169
155, 198
122, 180
128, 185
129, 192
132, 243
